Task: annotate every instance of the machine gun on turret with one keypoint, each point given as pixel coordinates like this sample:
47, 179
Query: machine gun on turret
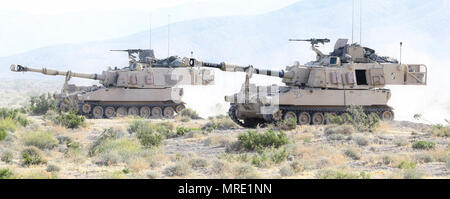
313, 41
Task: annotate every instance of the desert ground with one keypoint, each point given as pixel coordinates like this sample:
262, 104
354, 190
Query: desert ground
198, 152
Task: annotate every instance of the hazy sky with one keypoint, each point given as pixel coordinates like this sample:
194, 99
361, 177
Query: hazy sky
26, 25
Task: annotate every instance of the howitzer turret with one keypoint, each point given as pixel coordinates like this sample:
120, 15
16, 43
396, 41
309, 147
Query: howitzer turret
350, 75
148, 87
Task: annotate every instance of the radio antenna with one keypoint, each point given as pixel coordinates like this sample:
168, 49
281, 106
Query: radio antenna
150, 34
360, 22
401, 45
168, 35
353, 17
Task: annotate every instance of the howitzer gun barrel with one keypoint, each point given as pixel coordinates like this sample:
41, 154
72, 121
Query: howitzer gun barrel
235, 68
20, 68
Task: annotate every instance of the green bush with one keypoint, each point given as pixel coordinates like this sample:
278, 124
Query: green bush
149, 137
189, 113
6, 174
440, 130
39, 105
355, 116
8, 124
412, 174
40, 139
423, 145
15, 115
286, 170
423, 158
165, 129
114, 151
70, 120
182, 130
407, 165
33, 156
2, 134
107, 134
258, 141
220, 123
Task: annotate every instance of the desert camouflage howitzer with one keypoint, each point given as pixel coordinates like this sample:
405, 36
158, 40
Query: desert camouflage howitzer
147, 87
350, 75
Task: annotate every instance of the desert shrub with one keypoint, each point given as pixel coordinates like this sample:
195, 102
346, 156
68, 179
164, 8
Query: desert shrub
334, 119
440, 130
70, 120
279, 156
356, 117
354, 155
387, 160
15, 115
220, 166
361, 141
198, 163
136, 125
412, 174
52, 168
244, 172
286, 170
114, 151
182, 130
287, 125
149, 137
260, 161
2, 134
179, 169
39, 105
407, 165
221, 123
331, 174
448, 163
336, 137
32, 156
218, 140
7, 157
190, 113
6, 174
423, 145
423, 158
157, 131
8, 124
185, 119
40, 139
339, 129
253, 140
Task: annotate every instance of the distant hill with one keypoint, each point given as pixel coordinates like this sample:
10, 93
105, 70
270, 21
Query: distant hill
261, 40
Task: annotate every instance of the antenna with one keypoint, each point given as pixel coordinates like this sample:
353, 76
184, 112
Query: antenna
168, 35
353, 17
150, 42
401, 45
360, 22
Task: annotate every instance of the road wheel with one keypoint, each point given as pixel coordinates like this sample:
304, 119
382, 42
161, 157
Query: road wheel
110, 112
169, 112
134, 111
290, 115
387, 116
156, 112
304, 118
97, 112
318, 119
145, 112
122, 111
86, 108
277, 115
180, 108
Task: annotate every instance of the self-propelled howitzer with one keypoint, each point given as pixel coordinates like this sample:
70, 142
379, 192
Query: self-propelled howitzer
148, 87
350, 75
